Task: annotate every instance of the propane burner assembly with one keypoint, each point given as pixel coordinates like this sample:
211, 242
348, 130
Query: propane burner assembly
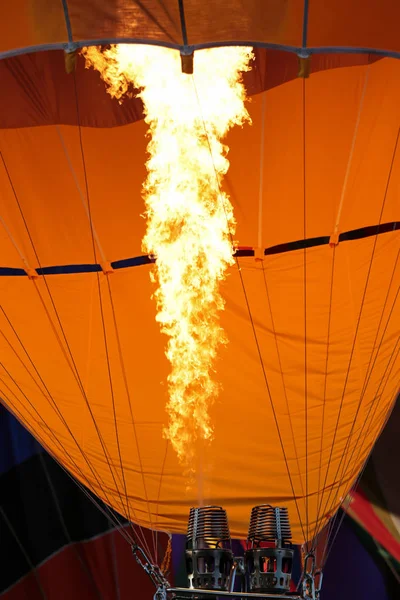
209, 556
214, 572
267, 563
268, 568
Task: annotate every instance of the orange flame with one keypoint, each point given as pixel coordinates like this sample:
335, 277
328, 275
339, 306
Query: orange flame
190, 221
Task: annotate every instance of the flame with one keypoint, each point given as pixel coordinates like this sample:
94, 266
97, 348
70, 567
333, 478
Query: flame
190, 221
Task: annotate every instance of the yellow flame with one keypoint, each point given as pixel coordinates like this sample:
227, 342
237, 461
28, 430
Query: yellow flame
190, 221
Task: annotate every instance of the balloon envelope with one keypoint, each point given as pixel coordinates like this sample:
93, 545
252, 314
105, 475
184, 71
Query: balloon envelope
312, 366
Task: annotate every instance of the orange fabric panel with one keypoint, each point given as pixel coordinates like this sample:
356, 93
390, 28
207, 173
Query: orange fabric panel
54, 100
354, 23
246, 444
333, 102
37, 22
115, 158
54, 206
145, 20
269, 21
55, 376
347, 23
25, 23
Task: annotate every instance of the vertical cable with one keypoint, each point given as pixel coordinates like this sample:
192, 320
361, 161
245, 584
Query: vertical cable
305, 301
351, 154
49, 398
331, 542
356, 335
283, 384
320, 492
261, 181
10, 406
371, 418
159, 491
92, 232
125, 379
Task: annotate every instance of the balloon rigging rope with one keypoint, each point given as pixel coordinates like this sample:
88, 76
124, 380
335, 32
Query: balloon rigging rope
359, 320
345, 451
49, 399
253, 326
270, 308
25, 554
319, 497
336, 229
370, 418
264, 271
98, 245
333, 533
110, 515
110, 518
379, 392
381, 424
76, 548
14, 243
75, 373
371, 368
80, 193
260, 247
126, 507
44, 427
305, 305
261, 182
358, 474
159, 492
106, 347
351, 154
126, 385
70, 362
368, 375
346, 503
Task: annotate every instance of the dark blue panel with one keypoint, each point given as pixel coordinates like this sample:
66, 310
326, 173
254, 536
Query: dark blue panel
135, 261
16, 444
68, 269
11, 272
298, 245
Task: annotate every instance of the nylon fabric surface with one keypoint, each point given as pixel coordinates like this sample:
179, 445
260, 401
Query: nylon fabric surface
313, 334
54, 99
348, 24
146, 368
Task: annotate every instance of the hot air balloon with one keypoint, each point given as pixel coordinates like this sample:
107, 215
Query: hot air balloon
308, 307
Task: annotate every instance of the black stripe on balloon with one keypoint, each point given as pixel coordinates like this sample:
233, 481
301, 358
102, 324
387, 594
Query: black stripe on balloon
11, 272
241, 252
358, 234
133, 262
65, 269
298, 245
137, 261
183, 23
